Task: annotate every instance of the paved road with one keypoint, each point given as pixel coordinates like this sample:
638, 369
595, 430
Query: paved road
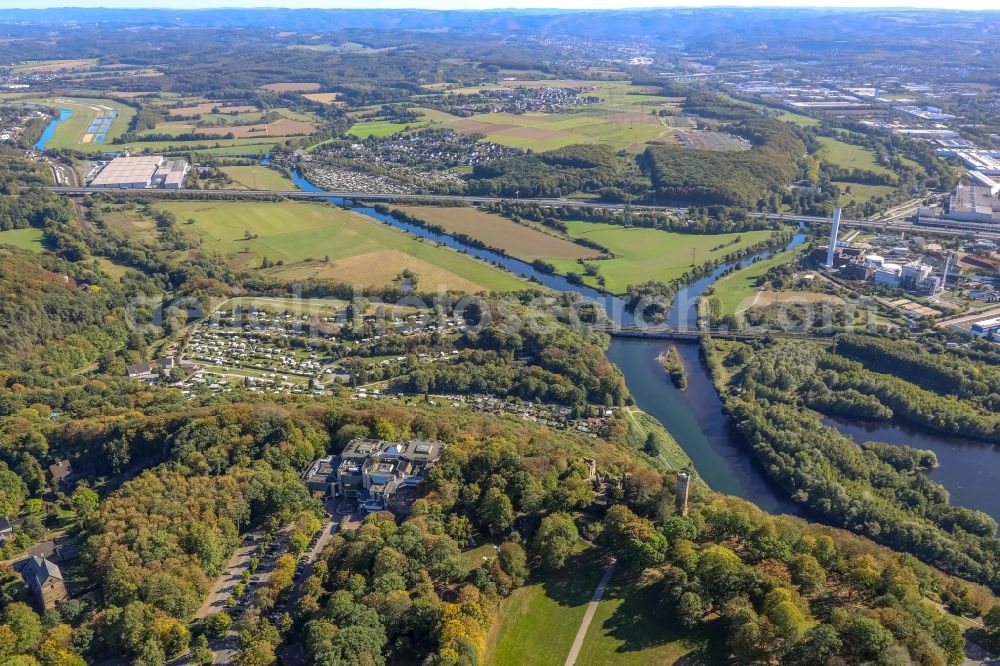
588, 616
223, 586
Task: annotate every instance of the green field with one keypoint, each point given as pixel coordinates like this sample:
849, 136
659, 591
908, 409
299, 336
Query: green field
71, 132
735, 291
798, 119
623, 119
539, 621
259, 178
861, 193
215, 146
360, 250
517, 240
629, 629
849, 156
382, 128
27, 239
643, 254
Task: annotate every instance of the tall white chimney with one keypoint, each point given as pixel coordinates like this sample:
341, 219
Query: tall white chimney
833, 238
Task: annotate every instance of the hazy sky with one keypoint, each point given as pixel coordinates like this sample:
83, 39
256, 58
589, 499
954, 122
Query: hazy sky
489, 4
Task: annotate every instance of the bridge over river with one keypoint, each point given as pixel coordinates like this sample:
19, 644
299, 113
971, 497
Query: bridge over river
693, 334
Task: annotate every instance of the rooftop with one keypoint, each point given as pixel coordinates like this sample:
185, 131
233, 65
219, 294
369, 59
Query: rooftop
126, 170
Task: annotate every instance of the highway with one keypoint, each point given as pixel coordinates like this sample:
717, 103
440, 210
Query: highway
895, 225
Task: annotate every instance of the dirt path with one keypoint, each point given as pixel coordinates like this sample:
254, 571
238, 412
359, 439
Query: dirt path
581, 633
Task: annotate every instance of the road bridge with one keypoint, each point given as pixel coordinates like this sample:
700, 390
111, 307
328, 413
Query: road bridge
693, 334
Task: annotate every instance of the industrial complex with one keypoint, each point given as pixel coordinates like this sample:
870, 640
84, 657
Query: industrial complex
137, 173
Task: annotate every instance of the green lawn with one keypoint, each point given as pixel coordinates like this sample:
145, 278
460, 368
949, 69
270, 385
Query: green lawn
849, 156
643, 254
27, 239
360, 250
735, 291
71, 132
539, 621
630, 628
798, 119
259, 178
861, 193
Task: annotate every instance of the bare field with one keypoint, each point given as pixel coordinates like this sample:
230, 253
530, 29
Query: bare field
515, 239
54, 65
282, 127
291, 87
766, 298
324, 98
208, 107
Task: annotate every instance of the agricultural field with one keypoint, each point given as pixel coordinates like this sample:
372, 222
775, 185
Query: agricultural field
382, 128
324, 98
539, 621
49, 66
259, 178
624, 119
517, 240
211, 107
650, 254
26, 239
302, 236
95, 122
736, 291
291, 87
849, 156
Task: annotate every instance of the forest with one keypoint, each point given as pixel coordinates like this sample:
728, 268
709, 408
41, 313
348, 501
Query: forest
869, 490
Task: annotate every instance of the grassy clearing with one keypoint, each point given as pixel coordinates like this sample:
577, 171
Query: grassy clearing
259, 178
849, 156
539, 621
650, 254
72, 132
26, 239
517, 240
798, 119
736, 290
326, 307
629, 628
360, 250
861, 193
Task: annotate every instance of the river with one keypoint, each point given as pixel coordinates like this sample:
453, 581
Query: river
50, 129
694, 417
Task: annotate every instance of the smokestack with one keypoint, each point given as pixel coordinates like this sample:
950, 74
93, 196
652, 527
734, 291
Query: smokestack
833, 238
944, 275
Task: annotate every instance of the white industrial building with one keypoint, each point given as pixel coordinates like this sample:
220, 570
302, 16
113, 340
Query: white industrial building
137, 173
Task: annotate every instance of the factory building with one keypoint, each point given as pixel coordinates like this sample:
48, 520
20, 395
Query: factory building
969, 203
138, 173
986, 328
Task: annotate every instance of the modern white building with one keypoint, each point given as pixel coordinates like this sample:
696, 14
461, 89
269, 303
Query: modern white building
138, 173
888, 275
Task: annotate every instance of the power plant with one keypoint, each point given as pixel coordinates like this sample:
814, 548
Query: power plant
833, 239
